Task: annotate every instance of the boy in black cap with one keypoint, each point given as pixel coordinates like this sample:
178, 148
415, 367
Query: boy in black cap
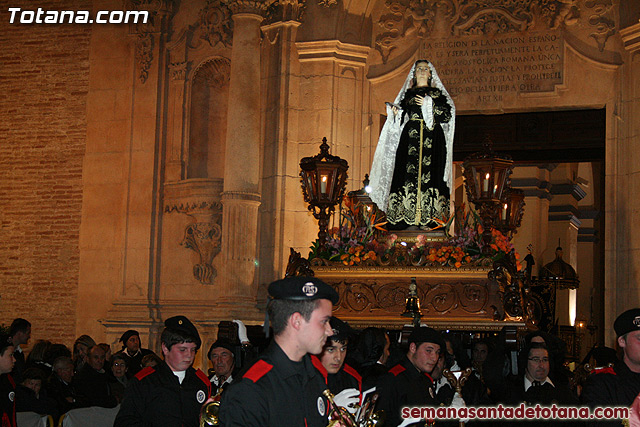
173, 392
618, 386
409, 382
343, 380
7, 385
132, 351
283, 388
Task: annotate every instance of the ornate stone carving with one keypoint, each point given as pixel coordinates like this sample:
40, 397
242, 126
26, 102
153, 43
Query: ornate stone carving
600, 14
286, 10
468, 17
204, 238
144, 55
327, 3
160, 12
215, 72
178, 70
201, 200
215, 23
256, 7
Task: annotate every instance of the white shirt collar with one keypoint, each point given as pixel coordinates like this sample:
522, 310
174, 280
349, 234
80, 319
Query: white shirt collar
528, 383
214, 379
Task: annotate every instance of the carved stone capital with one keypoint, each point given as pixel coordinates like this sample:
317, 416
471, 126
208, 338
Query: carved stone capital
254, 7
178, 70
286, 10
201, 200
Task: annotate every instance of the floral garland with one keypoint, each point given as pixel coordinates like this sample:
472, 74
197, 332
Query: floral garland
362, 239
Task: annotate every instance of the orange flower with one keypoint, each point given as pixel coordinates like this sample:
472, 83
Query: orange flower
458, 264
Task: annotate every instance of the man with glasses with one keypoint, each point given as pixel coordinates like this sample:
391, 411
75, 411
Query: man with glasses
534, 386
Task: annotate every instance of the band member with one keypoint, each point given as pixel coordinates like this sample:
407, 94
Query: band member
172, 393
409, 383
283, 388
343, 380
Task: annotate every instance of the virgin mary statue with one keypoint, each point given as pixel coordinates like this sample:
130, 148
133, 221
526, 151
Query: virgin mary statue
411, 174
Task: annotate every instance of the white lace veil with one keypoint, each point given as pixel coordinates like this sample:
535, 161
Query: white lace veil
384, 158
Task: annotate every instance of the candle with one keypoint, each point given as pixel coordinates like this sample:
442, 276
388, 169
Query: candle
504, 212
485, 184
323, 184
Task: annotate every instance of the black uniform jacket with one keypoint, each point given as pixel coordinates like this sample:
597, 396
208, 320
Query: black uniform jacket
7, 401
276, 392
404, 386
155, 397
616, 386
346, 377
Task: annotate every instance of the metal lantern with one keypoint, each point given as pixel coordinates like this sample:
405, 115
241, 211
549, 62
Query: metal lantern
486, 176
323, 178
511, 211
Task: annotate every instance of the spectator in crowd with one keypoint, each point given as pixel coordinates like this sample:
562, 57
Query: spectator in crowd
132, 351
31, 397
54, 351
620, 385
119, 380
151, 361
80, 349
342, 379
533, 384
20, 333
36, 357
370, 355
107, 352
283, 383
60, 386
92, 381
409, 383
7, 385
171, 394
223, 361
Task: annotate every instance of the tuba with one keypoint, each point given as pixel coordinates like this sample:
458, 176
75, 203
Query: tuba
209, 411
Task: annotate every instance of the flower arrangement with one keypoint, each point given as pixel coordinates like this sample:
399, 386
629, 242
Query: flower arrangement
361, 239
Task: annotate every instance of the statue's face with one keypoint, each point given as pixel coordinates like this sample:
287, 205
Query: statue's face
422, 72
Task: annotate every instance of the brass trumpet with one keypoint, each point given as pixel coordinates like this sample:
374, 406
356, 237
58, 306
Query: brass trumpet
337, 414
209, 412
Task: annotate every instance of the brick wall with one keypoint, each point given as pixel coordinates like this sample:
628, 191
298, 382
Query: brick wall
44, 78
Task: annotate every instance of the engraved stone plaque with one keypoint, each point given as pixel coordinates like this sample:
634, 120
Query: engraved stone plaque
490, 67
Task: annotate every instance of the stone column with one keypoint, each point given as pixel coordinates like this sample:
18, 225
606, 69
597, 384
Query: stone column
280, 161
622, 203
241, 194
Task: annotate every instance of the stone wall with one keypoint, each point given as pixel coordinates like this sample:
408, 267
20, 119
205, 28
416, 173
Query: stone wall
43, 86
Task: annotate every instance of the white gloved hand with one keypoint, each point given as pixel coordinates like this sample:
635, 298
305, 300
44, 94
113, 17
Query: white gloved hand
348, 399
458, 402
242, 331
408, 421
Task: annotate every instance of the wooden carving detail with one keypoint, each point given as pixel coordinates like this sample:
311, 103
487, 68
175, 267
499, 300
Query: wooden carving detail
456, 298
